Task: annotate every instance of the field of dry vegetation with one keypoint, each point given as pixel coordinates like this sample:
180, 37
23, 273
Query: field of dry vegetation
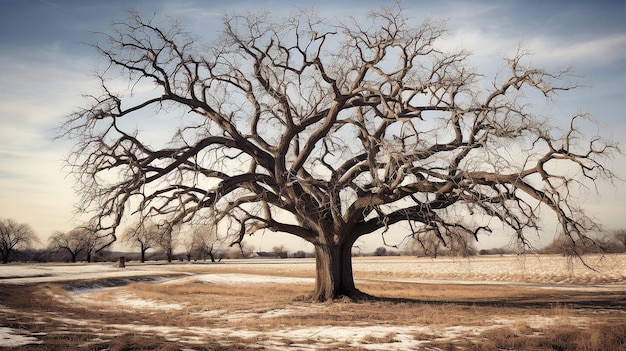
482, 303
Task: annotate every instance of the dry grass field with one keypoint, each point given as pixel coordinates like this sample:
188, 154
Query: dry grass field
483, 303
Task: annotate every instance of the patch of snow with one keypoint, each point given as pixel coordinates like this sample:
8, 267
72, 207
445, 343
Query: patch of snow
237, 316
6, 309
241, 315
19, 274
130, 301
245, 279
280, 312
121, 298
538, 321
540, 269
364, 337
10, 337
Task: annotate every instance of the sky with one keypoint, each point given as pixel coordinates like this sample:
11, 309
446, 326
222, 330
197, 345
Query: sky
47, 64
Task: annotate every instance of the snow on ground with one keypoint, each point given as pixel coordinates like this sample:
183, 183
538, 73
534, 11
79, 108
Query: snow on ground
10, 337
549, 271
244, 279
239, 279
527, 268
125, 300
30, 273
367, 337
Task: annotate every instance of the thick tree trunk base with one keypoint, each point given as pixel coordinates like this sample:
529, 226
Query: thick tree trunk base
355, 296
334, 279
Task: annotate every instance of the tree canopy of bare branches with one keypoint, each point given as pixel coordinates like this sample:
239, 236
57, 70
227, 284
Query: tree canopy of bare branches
203, 242
71, 243
144, 234
78, 240
14, 236
328, 131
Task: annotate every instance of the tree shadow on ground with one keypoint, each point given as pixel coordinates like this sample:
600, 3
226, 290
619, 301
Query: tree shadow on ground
576, 300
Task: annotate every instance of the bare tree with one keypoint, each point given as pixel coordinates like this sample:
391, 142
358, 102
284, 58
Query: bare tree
328, 131
93, 242
168, 239
454, 243
14, 236
205, 241
380, 251
619, 235
280, 251
144, 235
72, 242
243, 250
425, 244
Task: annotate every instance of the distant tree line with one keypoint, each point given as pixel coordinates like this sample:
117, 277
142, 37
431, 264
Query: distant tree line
154, 241
611, 242
430, 245
15, 239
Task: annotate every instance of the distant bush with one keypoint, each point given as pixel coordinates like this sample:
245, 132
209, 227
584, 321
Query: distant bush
496, 251
452, 243
380, 251
598, 243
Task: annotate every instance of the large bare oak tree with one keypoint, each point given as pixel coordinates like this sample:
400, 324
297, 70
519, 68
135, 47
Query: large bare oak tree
328, 131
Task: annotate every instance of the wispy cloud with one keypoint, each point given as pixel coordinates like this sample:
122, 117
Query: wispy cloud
40, 86
593, 52
48, 3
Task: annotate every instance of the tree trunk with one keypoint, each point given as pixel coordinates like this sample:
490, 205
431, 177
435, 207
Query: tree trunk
169, 255
143, 255
334, 277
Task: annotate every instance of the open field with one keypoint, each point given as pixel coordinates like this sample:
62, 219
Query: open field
483, 303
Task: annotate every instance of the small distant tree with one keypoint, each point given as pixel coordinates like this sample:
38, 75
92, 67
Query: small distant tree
496, 251
143, 235
454, 243
14, 236
596, 242
189, 246
204, 241
299, 254
167, 239
426, 244
380, 251
92, 242
241, 250
280, 251
620, 236
71, 243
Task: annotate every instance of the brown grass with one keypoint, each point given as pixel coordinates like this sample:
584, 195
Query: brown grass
597, 336
520, 317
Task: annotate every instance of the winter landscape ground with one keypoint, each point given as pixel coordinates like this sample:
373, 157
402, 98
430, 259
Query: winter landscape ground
530, 302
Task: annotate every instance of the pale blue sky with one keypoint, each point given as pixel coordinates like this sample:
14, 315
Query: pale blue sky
45, 66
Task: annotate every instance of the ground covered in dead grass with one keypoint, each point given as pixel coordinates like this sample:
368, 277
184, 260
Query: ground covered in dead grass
497, 303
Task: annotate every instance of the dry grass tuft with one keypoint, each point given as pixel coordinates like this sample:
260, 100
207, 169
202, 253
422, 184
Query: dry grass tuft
387, 338
595, 337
